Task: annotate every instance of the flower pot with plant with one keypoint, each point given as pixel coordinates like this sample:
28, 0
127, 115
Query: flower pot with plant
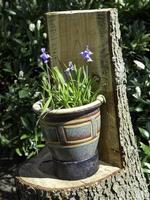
70, 119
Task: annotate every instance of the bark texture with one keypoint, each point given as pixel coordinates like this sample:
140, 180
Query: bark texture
129, 183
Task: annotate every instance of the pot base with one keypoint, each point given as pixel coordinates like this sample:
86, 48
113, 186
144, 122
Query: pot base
76, 170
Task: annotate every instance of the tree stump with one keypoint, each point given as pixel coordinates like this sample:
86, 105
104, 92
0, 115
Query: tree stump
120, 175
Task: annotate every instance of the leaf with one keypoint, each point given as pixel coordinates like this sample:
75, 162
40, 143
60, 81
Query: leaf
31, 154
40, 145
144, 133
24, 136
146, 149
138, 109
58, 75
46, 105
7, 126
147, 165
18, 152
23, 93
148, 126
25, 122
11, 12
7, 68
18, 41
146, 170
139, 64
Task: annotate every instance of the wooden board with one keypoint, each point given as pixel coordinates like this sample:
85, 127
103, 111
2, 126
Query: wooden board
69, 33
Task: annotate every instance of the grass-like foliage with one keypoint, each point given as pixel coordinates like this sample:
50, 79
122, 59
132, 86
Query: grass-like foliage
67, 89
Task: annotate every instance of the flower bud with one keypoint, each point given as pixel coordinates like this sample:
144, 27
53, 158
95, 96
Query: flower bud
38, 24
45, 35
21, 74
31, 27
137, 93
35, 42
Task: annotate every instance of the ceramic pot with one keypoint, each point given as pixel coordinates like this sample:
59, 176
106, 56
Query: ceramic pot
72, 135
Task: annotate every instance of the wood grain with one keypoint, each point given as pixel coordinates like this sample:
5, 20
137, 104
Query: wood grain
69, 33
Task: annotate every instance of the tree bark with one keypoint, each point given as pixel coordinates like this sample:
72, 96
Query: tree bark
125, 180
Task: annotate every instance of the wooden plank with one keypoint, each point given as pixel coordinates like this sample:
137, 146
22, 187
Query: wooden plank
69, 32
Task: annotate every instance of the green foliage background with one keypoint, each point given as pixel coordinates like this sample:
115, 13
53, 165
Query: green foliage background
20, 71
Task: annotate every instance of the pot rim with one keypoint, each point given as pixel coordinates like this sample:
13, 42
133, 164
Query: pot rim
95, 104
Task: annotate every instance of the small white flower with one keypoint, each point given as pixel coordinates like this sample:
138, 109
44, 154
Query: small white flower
21, 74
31, 27
38, 24
45, 35
139, 64
137, 94
35, 42
36, 94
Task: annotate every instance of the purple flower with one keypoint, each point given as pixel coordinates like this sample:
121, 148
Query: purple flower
44, 56
86, 54
70, 68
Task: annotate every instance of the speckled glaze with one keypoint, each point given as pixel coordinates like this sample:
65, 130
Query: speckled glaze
72, 135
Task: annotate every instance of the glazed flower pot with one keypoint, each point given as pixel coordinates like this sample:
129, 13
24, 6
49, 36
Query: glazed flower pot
72, 136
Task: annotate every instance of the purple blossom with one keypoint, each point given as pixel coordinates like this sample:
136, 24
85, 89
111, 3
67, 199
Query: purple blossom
44, 56
86, 54
70, 67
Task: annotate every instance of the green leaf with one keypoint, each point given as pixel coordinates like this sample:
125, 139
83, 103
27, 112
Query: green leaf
146, 170
18, 41
40, 145
25, 122
23, 93
24, 136
18, 152
148, 126
138, 109
147, 165
144, 133
7, 126
31, 154
146, 149
11, 12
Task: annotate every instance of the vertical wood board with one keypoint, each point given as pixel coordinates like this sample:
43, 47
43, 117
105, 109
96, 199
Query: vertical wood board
69, 33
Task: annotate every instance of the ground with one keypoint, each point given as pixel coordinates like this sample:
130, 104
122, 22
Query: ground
8, 169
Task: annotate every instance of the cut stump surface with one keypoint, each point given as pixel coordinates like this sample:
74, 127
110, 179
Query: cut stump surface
38, 174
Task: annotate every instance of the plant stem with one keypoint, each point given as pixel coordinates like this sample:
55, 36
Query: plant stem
48, 74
